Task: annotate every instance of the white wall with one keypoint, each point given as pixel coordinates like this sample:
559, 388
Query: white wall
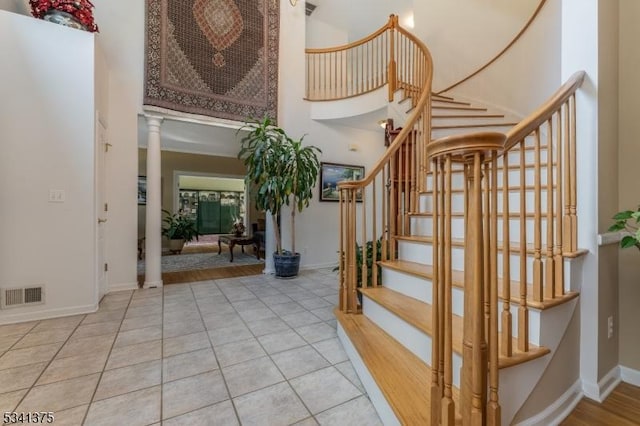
47, 133
628, 188
317, 247
121, 38
523, 78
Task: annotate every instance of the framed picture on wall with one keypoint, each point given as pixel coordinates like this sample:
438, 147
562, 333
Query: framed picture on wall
142, 190
331, 174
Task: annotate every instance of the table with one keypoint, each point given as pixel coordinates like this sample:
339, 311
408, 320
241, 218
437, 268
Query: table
233, 240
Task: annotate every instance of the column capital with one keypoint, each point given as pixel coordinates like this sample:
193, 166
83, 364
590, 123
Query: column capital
153, 120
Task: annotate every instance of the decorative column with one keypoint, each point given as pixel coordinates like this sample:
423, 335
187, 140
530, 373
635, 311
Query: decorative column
153, 228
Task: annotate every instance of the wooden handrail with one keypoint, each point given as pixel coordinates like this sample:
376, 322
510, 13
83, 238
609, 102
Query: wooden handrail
537, 118
499, 54
530, 159
313, 50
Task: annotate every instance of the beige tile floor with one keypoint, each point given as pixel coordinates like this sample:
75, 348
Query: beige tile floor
250, 350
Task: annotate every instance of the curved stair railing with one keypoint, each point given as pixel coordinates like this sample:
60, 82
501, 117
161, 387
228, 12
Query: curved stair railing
376, 209
535, 162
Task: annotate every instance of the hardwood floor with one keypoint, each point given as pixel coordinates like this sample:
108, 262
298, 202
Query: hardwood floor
621, 408
207, 274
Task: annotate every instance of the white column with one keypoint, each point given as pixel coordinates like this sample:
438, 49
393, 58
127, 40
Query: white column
153, 229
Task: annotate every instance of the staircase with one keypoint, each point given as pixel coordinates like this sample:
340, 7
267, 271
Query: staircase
472, 229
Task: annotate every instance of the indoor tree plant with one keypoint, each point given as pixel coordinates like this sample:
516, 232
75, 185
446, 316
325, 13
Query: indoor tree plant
282, 172
628, 221
179, 229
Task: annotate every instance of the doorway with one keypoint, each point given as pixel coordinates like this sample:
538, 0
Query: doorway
213, 202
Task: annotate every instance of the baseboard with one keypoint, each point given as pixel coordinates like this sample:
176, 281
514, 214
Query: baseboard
152, 284
48, 314
599, 392
559, 410
630, 375
379, 402
319, 266
123, 287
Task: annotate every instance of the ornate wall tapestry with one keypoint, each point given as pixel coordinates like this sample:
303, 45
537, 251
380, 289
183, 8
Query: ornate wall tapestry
217, 58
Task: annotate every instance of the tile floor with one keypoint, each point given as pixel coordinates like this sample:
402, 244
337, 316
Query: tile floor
251, 350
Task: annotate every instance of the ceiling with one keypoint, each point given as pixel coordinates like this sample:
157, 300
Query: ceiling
121, 39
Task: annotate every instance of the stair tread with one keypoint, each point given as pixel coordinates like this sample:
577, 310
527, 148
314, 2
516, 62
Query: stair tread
457, 280
460, 108
451, 101
447, 116
418, 314
472, 126
402, 377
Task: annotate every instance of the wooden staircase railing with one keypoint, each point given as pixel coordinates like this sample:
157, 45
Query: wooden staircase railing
388, 56
493, 167
377, 208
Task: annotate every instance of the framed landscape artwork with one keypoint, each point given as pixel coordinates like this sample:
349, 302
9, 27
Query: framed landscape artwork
331, 174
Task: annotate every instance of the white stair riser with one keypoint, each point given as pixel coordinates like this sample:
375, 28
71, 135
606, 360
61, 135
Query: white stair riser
421, 289
459, 121
425, 203
423, 253
423, 226
410, 337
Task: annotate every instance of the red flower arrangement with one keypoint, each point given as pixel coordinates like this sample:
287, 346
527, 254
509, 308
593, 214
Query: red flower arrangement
79, 9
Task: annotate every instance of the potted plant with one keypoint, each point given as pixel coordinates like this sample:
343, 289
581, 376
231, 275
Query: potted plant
179, 229
282, 172
628, 221
71, 13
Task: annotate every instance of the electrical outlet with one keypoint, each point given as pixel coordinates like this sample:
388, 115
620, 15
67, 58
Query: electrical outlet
57, 196
610, 327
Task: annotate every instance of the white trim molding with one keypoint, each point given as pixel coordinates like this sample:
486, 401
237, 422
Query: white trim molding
630, 375
122, 287
599, 392
559, 410
48, 314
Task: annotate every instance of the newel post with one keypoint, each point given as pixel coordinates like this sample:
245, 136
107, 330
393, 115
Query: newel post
392, 70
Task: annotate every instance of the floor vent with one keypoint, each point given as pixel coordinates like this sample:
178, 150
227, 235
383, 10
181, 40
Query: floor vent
15, 297
309, 8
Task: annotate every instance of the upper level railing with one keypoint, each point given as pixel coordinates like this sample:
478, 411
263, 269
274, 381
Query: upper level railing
388, 56
377, 208
519, 224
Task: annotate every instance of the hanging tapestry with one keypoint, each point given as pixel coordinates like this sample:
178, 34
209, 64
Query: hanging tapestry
217, 58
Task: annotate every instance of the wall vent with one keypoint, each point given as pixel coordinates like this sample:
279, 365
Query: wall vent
15, 297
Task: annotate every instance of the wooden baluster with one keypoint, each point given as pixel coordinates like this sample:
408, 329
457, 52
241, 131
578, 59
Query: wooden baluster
406, 150
342, 301
574, 176
414, 158
351, 247
393, 198
474, 344
486, 247
374, 232
448, 407
440, 184
363, 237
385, 210
436, 390
493, 407
523, 309
549, 287
507, 323
557, 251
537, 224
567, 183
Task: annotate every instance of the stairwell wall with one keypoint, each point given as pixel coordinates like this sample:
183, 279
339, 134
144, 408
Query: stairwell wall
520, 80
628, 188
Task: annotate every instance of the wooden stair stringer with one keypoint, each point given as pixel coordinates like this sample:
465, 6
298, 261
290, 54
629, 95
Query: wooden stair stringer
401, 376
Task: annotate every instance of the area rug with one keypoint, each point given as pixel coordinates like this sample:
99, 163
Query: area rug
216, 58
190, 262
